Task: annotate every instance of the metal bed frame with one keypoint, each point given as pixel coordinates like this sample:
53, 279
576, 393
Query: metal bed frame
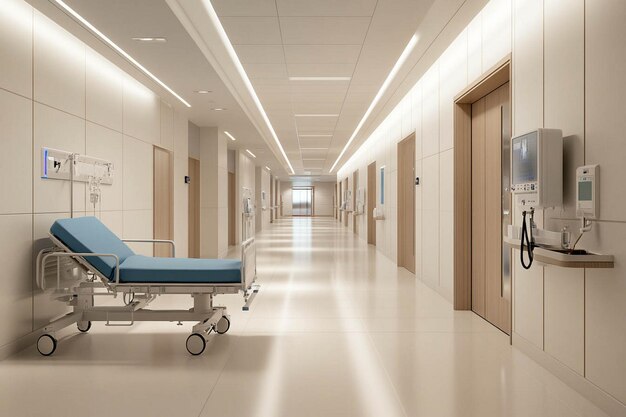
78, 282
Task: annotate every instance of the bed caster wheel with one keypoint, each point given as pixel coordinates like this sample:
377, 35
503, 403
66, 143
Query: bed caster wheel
222, 325
196, 344
46, 344
83, 326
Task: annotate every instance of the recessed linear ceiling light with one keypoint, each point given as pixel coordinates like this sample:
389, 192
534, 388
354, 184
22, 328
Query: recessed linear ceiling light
316, 115
383, 88
315, 136
268, 168
218, 109
230, 136
313, 159
251, 154
150, 39
313, 149
203, 91
320, 78
242, 73
119, 50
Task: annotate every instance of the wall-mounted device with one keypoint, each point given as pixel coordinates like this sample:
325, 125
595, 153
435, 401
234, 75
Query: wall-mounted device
587, 188
536, 183
64, 165
537, 169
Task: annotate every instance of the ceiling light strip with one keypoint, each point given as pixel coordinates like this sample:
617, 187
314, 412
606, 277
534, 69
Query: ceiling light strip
230, 136
315, 136
109, 42
251, 154
383, 88
242, 73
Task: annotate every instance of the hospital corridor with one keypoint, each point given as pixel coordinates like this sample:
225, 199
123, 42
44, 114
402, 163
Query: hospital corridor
337, 330
312, 208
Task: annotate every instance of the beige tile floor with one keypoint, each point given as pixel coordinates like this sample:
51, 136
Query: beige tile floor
337, 330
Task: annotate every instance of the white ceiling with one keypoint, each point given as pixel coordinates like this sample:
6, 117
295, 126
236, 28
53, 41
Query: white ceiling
178, 63
278, 39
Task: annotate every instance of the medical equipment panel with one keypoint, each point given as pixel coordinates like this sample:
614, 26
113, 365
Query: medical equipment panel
537, 169
64, 165
587, 187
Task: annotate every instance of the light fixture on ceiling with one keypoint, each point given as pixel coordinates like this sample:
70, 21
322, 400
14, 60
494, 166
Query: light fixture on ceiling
313, 149
315, 136
230, 136
320, 78
119, 50
313, 159
244, 76
383, 88
251, 154
316, 115
268, 168
150, 39
218, 108
202, 91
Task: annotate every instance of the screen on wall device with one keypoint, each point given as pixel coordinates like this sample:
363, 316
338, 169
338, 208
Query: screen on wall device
584, 190
525, 159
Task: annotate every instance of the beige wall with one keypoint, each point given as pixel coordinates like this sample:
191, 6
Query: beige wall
213, 193
57, 92
323, 198
569, 72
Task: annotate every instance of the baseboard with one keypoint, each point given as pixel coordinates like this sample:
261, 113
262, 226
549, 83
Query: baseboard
592, 392
20, 344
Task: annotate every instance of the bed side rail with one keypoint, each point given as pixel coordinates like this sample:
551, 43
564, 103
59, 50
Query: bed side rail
46, 254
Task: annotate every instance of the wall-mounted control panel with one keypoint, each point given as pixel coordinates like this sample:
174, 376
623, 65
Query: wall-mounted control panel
587, 188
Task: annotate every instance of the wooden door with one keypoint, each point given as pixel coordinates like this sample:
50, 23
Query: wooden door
406, 203
163, 196
271, 203
232, 209
490, 116
194, 208
345, 213
371, 203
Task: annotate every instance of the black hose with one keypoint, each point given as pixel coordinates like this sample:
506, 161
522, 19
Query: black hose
530, 247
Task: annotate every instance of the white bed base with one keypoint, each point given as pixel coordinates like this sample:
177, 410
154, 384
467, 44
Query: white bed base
77, 283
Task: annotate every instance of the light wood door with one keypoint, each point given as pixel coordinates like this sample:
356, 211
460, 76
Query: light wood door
371, 203
194, 208
490, 116
345, 213
163, 195
232, 209
406, 203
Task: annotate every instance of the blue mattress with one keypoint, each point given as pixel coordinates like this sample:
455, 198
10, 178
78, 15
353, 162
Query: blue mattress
139, 268
88, 234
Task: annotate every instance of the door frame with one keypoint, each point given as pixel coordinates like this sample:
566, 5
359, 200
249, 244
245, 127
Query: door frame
193, 210
494, 78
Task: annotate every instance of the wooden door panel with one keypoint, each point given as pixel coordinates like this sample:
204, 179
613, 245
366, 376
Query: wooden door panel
163, 200
371, 203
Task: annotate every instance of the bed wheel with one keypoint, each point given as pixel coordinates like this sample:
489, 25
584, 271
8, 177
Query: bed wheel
83, 326
46, 344
196, 344
222, 325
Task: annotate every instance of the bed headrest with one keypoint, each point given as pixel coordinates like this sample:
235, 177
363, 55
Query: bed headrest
88, 234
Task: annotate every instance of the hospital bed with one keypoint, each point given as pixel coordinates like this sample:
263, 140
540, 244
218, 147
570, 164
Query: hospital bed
87, 260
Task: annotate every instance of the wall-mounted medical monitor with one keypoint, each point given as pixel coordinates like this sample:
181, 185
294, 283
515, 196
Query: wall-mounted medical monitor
537, 168
524, 150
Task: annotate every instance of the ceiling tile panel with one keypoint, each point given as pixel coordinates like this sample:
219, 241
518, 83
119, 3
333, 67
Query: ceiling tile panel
318, 124
244, 7
322, 54
260, 54
321, 70
266, 71
326, 7
252, 30
324, 30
